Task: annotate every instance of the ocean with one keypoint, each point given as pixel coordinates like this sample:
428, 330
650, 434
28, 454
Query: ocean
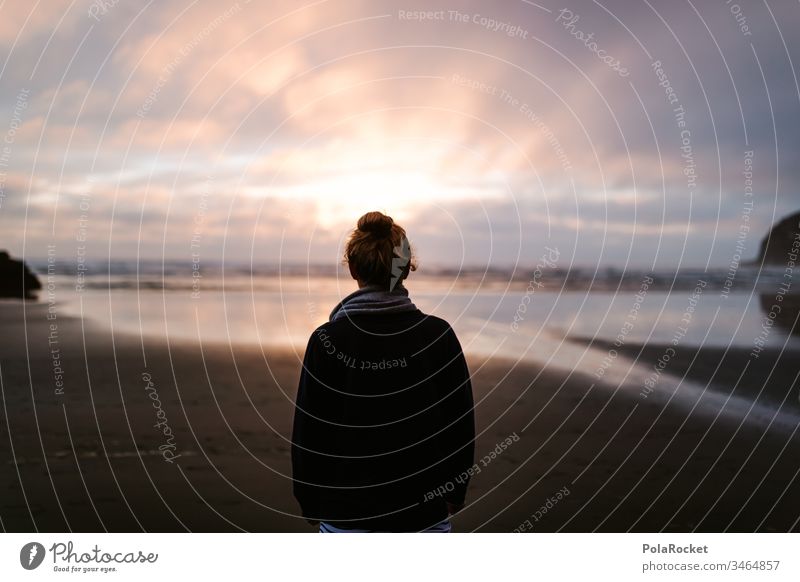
587, 323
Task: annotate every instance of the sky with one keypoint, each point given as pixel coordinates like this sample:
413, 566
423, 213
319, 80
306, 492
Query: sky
653, 134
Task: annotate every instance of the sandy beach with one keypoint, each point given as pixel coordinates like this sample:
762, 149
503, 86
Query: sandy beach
97, 453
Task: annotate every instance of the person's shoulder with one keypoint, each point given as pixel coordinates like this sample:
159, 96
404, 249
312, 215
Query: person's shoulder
436, 326
325, 329
324, 332
436, 322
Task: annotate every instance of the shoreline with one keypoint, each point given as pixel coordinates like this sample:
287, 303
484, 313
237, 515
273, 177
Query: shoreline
90, 458
770, 380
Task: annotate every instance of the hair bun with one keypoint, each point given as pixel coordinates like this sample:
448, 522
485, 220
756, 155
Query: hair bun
376, 223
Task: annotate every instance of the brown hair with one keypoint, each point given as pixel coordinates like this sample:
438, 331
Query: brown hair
378, 252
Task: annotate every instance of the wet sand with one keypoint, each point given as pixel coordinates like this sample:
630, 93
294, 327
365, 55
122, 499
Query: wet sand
91, 459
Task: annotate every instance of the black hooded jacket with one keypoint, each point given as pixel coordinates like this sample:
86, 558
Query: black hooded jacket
383, 429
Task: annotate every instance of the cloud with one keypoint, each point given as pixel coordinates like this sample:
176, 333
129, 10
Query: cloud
487, 145
24, 20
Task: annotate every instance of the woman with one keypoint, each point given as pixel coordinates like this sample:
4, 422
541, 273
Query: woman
383, 428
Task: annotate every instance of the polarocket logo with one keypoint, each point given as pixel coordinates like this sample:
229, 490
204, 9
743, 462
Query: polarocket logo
31, 555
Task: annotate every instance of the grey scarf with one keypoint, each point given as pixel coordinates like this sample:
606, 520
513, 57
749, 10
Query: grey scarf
373, 299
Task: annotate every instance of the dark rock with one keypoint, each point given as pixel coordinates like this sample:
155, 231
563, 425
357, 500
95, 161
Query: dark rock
776, 245
16, 279
776, 248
